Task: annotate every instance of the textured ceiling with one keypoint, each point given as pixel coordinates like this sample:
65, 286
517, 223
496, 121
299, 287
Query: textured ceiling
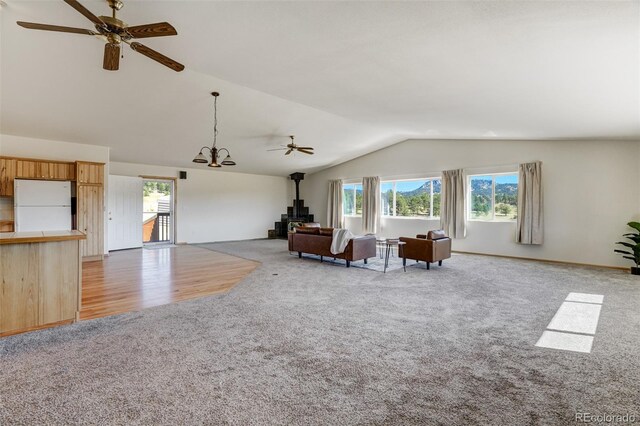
345, 77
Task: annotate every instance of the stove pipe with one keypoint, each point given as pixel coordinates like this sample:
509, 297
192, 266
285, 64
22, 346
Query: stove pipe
296, 177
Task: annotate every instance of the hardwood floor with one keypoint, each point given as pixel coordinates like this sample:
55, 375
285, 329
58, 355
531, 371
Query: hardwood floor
131, 280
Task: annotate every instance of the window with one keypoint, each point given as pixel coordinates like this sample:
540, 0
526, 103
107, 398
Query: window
352, 199
387, 198
411, 198
493, 197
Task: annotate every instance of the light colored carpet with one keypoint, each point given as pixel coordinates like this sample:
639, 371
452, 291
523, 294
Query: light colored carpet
303, 342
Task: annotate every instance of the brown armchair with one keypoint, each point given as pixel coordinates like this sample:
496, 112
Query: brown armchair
432, 247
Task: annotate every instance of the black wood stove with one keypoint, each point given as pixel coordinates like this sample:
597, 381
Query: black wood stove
295, 213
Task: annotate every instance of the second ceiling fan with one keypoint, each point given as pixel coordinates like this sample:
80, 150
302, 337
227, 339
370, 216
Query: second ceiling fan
115, 32
293, 147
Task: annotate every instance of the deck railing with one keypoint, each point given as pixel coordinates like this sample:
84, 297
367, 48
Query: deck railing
162, 228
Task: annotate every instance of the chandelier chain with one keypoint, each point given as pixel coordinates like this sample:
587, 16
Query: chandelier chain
215, 120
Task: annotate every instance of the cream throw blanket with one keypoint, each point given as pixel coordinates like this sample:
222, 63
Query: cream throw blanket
341, 238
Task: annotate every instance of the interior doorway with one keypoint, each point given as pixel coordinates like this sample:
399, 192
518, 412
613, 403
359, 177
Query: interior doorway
125, 209
158, 202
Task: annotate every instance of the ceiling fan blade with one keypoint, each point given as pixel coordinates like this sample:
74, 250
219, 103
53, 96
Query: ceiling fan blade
289, 152
159, 29
305, 151
111, 60
305, 147
47, 27
80, 8
156, 56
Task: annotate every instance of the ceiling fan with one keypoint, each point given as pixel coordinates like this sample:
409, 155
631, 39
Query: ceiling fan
293, 147
115, 32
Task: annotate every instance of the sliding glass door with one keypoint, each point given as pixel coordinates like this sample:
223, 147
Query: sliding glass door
157, 215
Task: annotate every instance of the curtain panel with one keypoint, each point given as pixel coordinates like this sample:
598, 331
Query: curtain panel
371, 204
530, 222
334, 205
453, 218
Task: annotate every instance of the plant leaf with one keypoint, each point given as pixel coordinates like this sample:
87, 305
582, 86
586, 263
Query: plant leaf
634, 225
623, 252
630, 258
631, 246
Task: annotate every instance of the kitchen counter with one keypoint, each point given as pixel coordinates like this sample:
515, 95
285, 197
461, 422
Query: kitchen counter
40, 280
40, 237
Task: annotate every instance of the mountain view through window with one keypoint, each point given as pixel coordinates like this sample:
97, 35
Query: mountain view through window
411, 198
494, 197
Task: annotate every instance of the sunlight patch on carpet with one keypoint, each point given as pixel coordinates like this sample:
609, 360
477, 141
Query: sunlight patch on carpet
584, 297
565, 341
576, 317
574, 325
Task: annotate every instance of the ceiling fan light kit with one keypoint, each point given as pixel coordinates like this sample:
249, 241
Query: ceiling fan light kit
115, 32
214, 151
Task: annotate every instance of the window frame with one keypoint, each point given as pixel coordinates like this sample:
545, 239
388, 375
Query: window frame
493, 196
393, 207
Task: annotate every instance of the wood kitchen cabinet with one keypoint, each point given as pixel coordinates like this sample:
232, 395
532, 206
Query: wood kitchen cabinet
89, 178
22, 168
90, 216
50, 170
90, 172
6, 225
60, 171
40, 280
27, 169
7, 174
90, 208
56, 170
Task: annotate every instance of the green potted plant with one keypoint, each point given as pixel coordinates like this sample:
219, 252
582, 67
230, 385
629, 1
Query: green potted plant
633, 248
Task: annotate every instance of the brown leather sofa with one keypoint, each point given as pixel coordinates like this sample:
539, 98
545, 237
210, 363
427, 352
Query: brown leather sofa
315, 240
311, 225
432, 247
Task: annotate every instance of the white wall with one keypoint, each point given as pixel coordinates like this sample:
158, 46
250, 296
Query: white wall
18, 146
214, 205
589, 192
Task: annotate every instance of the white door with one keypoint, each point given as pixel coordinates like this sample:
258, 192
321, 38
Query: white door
125, 212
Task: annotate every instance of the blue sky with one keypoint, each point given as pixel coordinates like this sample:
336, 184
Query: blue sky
408, 186
507, 179
512, 179
402, 186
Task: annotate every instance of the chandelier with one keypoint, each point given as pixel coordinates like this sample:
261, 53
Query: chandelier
214, 151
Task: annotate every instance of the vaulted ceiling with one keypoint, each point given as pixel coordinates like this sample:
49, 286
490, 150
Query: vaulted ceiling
345, 77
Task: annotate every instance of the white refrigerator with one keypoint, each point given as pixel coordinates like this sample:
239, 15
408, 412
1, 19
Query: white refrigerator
42, 205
